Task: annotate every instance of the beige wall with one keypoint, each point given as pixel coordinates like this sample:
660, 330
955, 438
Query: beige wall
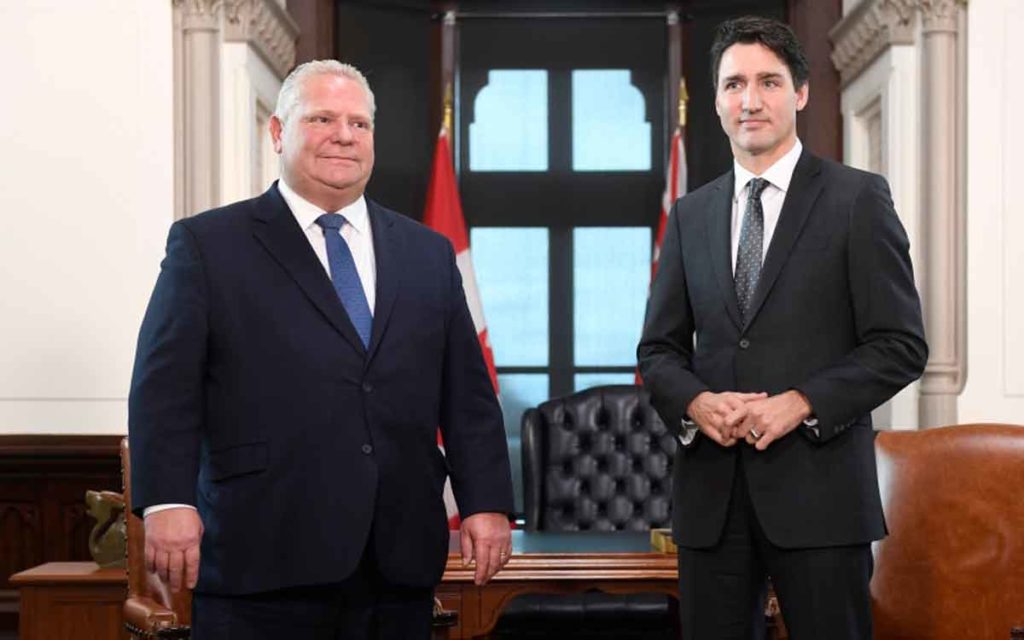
86, 159
995, 214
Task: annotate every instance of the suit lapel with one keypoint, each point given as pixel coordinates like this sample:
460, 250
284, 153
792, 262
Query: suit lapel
275, 228
386, 249
719, 214
803, 191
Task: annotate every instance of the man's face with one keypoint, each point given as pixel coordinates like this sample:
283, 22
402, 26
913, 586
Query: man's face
757, 102
326, 146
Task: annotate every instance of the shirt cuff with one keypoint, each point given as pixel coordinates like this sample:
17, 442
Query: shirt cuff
812, 425
165, 507
689, 432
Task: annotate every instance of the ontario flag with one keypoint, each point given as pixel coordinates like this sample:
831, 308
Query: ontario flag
444, 214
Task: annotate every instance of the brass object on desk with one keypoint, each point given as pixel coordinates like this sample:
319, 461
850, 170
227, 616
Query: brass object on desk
661, 540
107, 539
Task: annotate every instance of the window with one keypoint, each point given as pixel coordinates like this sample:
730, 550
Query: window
561, 247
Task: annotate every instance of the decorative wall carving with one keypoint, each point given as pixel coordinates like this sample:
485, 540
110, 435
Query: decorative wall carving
199, 14
867, 31
874, 25
266, 27
940, 15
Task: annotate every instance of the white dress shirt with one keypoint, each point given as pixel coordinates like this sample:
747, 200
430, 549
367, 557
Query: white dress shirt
779, 175
356, 233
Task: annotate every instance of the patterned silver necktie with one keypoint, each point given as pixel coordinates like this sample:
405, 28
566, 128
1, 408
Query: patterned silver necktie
751, 246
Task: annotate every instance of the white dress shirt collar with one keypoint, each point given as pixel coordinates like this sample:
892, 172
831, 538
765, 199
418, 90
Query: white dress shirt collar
306, 212
779, 175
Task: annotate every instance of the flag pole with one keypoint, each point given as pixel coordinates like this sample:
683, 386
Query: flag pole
446, 121
684, 97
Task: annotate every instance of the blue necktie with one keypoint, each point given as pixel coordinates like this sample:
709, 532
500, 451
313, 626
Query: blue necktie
345, 277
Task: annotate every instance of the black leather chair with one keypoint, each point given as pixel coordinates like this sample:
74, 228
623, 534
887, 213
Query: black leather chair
596, 460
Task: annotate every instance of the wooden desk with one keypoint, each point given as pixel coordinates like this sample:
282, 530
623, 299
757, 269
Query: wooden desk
70, 601
556, 563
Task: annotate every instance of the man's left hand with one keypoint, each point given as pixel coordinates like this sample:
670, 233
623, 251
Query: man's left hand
769, 419
486, 540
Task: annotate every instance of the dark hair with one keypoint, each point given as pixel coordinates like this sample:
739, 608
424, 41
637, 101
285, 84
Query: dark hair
774, 35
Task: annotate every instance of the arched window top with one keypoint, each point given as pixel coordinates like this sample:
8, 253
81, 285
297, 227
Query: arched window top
609, 128
510, 127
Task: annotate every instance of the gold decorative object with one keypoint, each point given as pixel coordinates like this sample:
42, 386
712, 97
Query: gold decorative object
108, 538
661, 540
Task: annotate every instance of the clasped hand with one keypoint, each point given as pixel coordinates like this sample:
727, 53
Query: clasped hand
756, 418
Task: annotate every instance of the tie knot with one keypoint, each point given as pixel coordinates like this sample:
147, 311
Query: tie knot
757, 187
331, 221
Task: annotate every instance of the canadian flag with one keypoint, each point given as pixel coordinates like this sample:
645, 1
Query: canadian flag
444, 214
675, 187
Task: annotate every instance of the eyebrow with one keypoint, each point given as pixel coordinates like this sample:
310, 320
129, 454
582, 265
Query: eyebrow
761, 76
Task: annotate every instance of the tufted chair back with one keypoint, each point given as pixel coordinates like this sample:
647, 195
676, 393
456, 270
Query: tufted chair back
597, 460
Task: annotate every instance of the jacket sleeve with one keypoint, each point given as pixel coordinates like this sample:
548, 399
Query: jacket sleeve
891, 351
472, 427
166, 402
665, 352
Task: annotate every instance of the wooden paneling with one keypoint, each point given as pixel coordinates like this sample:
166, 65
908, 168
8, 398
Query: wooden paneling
820, 126
43, 480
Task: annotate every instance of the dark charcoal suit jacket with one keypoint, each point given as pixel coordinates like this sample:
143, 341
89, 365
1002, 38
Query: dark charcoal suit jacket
254, 399
835, 315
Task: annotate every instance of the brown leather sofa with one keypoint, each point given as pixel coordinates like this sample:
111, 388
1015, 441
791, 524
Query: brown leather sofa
952, 566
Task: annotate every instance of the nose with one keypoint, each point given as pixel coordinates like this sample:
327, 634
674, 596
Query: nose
343, 133
751, 98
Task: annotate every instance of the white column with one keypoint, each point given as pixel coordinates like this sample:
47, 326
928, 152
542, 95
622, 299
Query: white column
943, 270
197, 93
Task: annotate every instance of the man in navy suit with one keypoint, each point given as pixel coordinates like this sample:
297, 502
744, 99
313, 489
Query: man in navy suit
298, 355
783, 311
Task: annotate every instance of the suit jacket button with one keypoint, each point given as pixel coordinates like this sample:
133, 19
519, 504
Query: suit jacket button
367, 449
744, 343
367, 387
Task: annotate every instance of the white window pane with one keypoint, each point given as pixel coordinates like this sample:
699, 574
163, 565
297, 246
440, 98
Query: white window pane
609, 131
510, 127
587, 380
519, 392
611, 275
511, 265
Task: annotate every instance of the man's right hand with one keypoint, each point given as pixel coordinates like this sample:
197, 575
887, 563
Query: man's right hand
172, 546
717, 413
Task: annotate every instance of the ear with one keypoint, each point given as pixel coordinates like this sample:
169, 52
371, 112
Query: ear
803, 94
276, 129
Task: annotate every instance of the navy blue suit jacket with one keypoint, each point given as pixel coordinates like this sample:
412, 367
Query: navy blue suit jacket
254, 399
835, 315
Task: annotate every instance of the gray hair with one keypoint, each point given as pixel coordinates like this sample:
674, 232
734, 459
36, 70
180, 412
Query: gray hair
288, 97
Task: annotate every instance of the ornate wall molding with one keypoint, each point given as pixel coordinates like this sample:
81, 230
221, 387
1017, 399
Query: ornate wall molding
875, 25
199, 14
940, 15
266, 27
867, 31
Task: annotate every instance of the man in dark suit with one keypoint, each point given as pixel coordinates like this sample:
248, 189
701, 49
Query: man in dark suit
783, 311
298, 354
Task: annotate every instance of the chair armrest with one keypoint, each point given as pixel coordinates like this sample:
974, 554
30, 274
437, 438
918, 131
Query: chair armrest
149, 618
